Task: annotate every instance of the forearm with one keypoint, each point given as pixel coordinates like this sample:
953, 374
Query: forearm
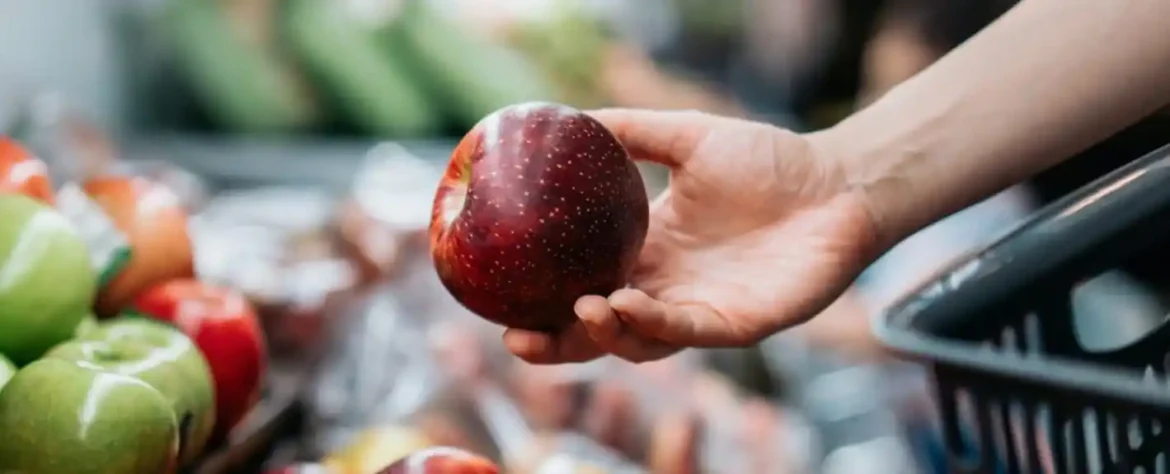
1046, 81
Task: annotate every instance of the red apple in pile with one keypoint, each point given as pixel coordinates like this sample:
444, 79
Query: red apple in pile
23, 173
224, 326
442, 460
155, 224
539, 206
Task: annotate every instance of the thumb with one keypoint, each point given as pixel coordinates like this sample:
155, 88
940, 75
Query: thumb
664, 137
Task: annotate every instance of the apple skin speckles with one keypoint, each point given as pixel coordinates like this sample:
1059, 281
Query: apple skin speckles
540, 205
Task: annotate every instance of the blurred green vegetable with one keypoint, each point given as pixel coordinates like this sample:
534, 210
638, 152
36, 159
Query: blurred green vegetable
360, 69
245, 83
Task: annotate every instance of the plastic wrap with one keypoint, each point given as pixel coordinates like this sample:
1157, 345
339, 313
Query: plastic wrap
673, 415
276, 245
383, 390
389, 207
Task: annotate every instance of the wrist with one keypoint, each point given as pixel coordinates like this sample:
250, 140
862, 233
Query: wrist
875, 174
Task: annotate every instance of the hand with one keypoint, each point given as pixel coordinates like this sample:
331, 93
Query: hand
759, 230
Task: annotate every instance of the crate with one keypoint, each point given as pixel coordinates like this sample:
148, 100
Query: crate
1017, 391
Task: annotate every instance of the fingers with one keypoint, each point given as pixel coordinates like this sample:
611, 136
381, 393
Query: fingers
664, 137
635, 327
571, 345
682, 325
611, 335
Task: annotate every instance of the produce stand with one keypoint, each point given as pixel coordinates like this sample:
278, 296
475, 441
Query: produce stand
1018, 390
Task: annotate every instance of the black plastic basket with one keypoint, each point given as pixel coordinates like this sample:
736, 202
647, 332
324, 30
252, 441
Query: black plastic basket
1017, 392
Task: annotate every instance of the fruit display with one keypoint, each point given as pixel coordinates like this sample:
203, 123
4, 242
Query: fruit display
539, 206
158, 318
23, 173
7, 370
160, 356
153, 222
89, 383
51, 284
225, 328
95, 420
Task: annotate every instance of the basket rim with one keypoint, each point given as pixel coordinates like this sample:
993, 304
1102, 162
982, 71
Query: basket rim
1027, 253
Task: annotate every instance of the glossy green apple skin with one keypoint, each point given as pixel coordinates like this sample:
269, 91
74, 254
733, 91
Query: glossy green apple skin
88, 323
49, 283
7, 370
64, 417
161, 356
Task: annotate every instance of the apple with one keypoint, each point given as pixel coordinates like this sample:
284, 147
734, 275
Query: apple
23, 173
225, 328
65, 417
88, 323
539, 205
442, 460
49, 283
154, 222
7, 370
161, 356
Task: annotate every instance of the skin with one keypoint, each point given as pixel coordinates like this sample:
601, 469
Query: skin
162, 357
539, 205
225, 328
48, 283
63, 417
7, 370
736, 253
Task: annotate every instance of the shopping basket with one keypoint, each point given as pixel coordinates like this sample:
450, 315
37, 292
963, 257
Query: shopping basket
1017, 392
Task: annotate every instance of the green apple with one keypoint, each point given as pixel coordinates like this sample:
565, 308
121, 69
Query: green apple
47, 282
88, 323
65, 417
7, 370
161, 356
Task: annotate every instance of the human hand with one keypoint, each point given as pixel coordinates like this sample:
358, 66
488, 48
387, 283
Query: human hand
759, 230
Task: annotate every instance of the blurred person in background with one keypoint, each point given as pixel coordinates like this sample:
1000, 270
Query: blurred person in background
732, 258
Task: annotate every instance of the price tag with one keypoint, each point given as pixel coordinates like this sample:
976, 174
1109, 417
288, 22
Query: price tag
109, 249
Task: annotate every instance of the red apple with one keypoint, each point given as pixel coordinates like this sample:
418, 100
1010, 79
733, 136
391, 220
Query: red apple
539, 206
442, 460
224, 326
155, 224
23, 173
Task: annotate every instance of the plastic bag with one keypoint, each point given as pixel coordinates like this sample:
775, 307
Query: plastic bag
673, 415
276, 245
383, 391
389, 207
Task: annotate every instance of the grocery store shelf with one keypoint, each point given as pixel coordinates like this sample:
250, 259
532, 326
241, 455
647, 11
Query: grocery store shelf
240, 162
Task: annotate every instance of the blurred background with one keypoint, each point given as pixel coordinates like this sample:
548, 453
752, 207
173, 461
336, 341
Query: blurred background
306, 138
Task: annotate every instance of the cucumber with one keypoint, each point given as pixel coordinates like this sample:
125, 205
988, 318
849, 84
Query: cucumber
246, 87
370, 82
473, 76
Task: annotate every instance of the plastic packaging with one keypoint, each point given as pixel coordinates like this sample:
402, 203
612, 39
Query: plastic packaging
389, 206
673, 415
276, 246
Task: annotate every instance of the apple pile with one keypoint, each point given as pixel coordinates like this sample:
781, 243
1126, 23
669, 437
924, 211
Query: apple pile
113, 358
540, 205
